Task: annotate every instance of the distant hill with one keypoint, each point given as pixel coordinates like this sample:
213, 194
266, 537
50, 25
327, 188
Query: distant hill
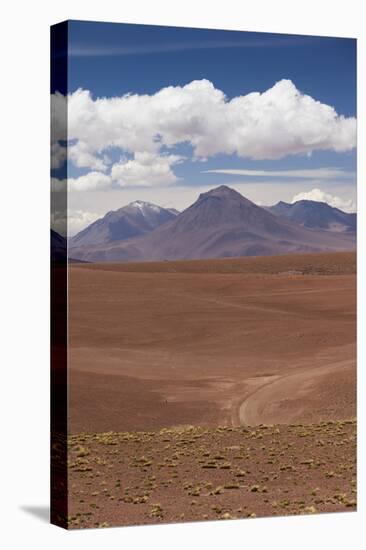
58, 247
221, 223
316, 215
133, 220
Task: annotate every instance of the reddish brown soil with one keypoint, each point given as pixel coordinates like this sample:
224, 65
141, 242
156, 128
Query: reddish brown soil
212, 343
156, 349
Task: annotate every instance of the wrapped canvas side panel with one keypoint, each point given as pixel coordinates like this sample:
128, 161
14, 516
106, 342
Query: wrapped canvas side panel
203, 344
59, 488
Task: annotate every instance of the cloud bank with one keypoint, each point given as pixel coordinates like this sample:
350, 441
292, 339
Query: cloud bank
271, 125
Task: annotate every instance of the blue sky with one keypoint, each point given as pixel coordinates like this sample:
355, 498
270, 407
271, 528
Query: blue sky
110, 60
107, 59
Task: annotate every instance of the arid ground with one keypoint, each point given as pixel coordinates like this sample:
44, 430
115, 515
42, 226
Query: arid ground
212, 388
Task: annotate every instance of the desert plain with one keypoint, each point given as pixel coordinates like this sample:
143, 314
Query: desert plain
211, 389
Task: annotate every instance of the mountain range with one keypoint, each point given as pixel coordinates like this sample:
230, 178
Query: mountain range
221, 223
316, 215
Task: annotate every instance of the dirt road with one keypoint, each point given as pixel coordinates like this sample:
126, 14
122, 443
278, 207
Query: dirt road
286, 399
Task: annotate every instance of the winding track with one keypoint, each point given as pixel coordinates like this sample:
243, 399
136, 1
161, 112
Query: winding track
263, 406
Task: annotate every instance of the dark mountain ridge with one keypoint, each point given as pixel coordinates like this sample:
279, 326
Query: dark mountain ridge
58, 246
316, 215
132, 220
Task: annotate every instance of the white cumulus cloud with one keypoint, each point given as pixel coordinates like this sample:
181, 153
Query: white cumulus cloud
89, 182
146, 169
74, 221
78, 219
347, 205
80, 155
278, 122
58, 155
269, 125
